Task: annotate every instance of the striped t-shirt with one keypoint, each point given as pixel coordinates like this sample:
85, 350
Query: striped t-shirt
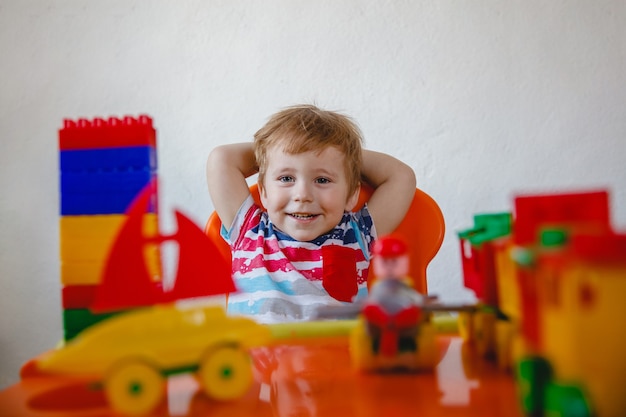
281, 279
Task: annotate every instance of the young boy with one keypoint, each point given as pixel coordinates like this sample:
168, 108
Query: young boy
305, 248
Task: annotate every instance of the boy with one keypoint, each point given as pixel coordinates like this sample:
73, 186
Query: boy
294, 254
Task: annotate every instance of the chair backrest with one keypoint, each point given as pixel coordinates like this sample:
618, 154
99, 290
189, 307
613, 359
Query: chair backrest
423, 228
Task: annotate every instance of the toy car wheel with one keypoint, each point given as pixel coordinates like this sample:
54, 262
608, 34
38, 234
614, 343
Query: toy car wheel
225, 373
134, 388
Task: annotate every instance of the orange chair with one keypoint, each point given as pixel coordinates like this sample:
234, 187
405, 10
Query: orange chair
423, 228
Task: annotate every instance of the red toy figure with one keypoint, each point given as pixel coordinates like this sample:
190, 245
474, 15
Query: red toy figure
393, 309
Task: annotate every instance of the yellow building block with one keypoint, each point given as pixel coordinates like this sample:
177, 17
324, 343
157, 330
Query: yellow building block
85, 242
584, 309
89, 238
601, 294
508, 288
90, 273
559, 317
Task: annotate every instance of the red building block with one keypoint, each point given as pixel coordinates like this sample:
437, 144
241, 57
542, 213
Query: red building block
586, 212
78, 296
107, 133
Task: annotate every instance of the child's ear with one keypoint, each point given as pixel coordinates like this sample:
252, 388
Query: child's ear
352, 200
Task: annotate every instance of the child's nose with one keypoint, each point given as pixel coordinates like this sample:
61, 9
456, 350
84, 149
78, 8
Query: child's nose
302, 192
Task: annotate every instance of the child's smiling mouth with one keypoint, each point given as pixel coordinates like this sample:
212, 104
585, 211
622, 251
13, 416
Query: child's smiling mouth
303, 216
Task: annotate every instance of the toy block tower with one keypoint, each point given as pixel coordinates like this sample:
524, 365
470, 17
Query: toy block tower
484, 252
478, 250
566, 213
104, 164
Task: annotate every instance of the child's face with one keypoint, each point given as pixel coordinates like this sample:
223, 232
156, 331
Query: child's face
306, 194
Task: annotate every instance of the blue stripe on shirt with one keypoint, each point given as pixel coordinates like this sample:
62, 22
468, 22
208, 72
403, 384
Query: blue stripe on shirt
264, 283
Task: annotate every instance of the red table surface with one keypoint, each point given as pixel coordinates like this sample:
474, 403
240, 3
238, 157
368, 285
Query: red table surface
312, 379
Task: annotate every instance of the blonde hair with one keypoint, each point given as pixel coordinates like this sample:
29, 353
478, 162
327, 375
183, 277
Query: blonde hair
305, 128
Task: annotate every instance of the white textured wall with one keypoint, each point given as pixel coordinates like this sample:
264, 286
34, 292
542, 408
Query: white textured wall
482, 98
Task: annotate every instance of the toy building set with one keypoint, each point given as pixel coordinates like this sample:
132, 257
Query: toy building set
549, 278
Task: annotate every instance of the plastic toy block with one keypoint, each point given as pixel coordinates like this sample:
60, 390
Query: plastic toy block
105, 193
81, 273
581, 301
86, 241
506, 277
106, 133
90, 273
529, 304
533, 375
77, 320
558, 326
505, 333
488, 227
561, 284
587, 211
608, 248
478, 251
479, 272
553, 237
89, 238
78, 296
130, 159
566, 400
484, 337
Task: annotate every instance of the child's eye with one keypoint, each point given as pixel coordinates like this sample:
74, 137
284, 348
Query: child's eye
285, 178
322, 180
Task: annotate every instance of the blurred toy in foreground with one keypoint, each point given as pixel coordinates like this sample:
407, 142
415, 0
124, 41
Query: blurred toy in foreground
552, 275
122, 327
395, 329
487, 271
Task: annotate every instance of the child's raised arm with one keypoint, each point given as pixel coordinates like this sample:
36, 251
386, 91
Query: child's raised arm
227, 168
394, 186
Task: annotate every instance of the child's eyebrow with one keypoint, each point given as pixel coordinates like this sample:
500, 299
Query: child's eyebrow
327, 172
282, 170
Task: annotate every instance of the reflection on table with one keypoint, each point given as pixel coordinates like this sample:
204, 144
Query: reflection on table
311, 379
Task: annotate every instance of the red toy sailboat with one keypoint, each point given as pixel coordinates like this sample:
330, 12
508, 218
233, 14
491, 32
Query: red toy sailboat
126, 281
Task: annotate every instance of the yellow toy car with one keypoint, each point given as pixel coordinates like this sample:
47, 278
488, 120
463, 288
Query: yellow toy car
133, 353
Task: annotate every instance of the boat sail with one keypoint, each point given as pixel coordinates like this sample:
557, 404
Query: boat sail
126, 281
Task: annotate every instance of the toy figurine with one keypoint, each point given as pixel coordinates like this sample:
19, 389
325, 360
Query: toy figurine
393, 308
394, 329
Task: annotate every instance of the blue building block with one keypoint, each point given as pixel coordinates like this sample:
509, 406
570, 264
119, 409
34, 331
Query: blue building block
110, 193
105, 180
104, 160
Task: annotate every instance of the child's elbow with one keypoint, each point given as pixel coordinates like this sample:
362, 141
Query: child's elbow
406, 176
217, 154
217, 158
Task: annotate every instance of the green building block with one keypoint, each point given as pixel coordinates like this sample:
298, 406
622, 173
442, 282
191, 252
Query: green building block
533, 375
77, 320
565, 401
488, 227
